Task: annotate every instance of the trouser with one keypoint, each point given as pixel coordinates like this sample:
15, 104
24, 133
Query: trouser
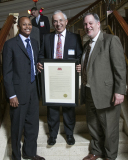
53, 115
25, 117
103, 126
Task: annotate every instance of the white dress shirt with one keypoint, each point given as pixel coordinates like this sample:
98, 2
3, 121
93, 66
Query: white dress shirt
62, 40
92, 47
25, 44
37, 19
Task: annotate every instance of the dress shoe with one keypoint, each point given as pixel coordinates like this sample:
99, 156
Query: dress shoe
91, 157
34, 157
51, 140
70, 140
106, 159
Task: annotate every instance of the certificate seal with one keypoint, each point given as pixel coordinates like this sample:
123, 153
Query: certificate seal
65, 95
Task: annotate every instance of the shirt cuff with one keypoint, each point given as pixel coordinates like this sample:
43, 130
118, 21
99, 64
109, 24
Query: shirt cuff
12, 97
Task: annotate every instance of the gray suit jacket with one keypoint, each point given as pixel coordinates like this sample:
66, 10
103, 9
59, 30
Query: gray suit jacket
106, 70
17, 68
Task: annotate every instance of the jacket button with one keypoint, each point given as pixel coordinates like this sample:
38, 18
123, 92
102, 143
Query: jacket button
29, 63
29, 72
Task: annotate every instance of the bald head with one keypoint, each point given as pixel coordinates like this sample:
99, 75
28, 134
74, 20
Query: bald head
24, 26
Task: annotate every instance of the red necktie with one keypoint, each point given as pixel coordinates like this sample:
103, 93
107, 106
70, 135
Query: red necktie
59, 47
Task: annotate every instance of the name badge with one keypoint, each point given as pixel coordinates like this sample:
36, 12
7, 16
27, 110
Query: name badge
71, 52
41, 24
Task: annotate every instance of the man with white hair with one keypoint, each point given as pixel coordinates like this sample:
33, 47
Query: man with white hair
69, 46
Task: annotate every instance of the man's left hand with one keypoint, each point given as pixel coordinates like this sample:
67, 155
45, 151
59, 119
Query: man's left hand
78, 68
118, 99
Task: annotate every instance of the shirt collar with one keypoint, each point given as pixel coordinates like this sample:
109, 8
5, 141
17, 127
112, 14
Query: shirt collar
63, 33
95, 39
23, 38
38, 17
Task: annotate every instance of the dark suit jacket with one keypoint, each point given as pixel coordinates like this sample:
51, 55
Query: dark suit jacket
35, 34
17, 67
72, 41
45, 29
106, 71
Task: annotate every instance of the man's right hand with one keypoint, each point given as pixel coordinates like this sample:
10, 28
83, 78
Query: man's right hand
39, 67
118, 99
14, 102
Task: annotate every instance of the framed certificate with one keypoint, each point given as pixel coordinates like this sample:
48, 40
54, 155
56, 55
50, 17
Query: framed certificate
60, 82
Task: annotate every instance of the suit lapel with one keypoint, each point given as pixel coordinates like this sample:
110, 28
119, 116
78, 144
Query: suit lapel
34, 21
40, 20
21, 45
52, 44
67, 41
96, 50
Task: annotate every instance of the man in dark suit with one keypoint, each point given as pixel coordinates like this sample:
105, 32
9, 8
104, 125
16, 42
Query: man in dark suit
104, 84
71, 48
41, 22
20, 56
35, 34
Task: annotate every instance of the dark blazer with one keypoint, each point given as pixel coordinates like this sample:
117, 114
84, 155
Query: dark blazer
106, 71
35, 34
17, 67
45, 29
72, 41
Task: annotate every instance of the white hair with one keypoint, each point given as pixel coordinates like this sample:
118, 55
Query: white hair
59, 11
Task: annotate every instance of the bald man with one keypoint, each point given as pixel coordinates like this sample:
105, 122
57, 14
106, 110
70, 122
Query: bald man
19, 59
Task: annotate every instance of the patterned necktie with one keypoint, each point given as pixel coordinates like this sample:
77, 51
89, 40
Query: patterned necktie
59, 47
31, 59
84, 78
